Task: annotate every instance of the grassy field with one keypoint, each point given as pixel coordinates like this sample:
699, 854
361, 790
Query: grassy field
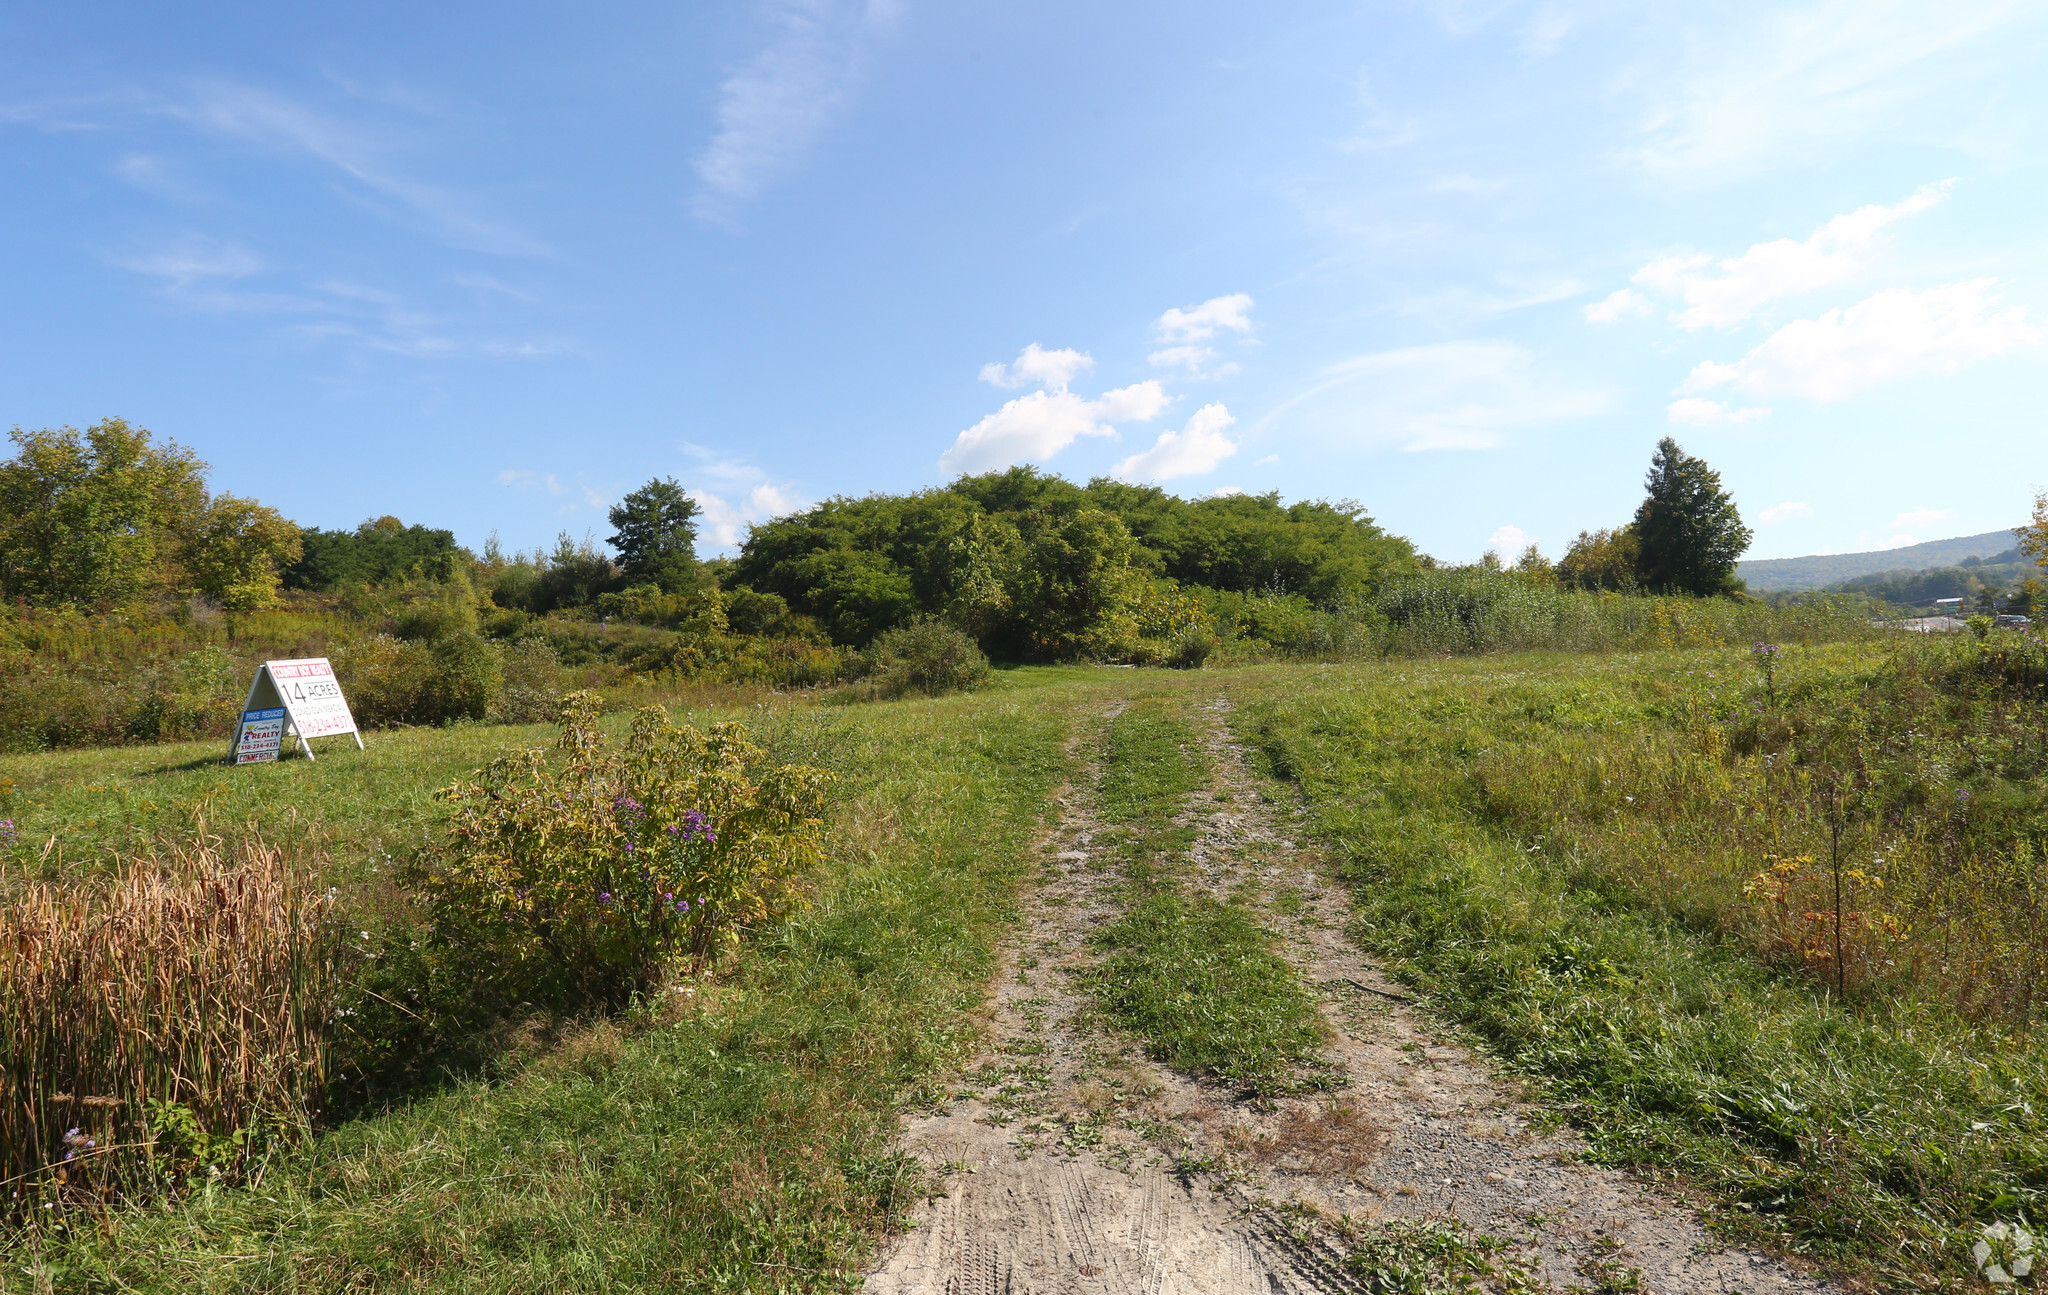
1609, 870
734, 1136
1626, 959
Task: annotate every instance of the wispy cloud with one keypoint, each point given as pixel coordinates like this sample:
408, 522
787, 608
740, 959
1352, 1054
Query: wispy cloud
1749, 95
359, 153
214, 276
772, 110
1724, 292
1378, 126
1891, 335
191, 259
1447, 396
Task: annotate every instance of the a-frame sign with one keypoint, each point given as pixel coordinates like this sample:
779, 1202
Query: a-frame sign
291, 699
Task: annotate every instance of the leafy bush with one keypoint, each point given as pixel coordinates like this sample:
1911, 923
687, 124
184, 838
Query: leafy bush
1189, 649
533, 684
926, 656
574, 880
393, 682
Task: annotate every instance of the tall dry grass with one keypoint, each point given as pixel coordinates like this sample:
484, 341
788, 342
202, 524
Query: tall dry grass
165, 1018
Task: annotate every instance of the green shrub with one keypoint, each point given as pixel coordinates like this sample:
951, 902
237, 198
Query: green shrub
532, 693
767, 616
429, 622
926, 656
467, 672
1189, 649
577, 878
393, 682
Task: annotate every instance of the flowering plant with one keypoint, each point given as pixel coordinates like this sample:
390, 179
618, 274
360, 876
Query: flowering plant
592, 869
1766, 657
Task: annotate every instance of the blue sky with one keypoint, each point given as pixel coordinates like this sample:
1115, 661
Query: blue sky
490, 267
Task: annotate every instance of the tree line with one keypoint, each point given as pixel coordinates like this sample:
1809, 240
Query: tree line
1031, 565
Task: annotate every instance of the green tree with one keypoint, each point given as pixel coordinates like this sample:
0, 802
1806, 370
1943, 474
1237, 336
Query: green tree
380, 551
1074, 587
1688, 532
2033, 537
1602, 559
94, 519
236, 550
656, 536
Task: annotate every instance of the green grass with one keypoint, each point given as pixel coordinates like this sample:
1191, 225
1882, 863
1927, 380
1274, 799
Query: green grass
739, 1142
1195, 978
348, 807
1876, 1138
743, 1143
1198, 980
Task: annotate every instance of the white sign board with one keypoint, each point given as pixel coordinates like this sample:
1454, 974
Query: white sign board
261, 736
304, 697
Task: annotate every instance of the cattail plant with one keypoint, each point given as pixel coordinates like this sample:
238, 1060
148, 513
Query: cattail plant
163, 1019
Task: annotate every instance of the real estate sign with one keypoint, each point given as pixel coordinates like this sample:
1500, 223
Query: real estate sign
291, 699
261, 736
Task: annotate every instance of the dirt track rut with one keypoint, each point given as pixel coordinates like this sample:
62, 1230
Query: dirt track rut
1071, 1163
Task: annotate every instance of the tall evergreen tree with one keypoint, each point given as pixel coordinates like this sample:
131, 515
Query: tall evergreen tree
657, 535
1688, 533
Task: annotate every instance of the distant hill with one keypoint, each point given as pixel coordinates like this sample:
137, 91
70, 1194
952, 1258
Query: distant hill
1799, 574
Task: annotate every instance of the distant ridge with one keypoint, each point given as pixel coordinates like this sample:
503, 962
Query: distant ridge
1795, 574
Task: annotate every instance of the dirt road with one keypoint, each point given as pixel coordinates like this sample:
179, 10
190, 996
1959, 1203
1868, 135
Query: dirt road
1072, 1163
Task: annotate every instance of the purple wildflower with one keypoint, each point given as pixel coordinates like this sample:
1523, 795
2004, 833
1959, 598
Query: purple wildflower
604, 897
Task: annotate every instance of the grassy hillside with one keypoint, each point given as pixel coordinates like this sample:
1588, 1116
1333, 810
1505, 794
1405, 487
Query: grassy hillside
1798, 575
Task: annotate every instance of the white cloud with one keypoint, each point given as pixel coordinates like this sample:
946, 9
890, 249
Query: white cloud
1783, 512
1620, 302
1722, 293
1033, 428
1451, 395
772, 110
725, 520
1226, 492
1508, 541
1190, 452
1262, 462
743, 494
1894, 334
1920, 517
1801, 81
1200, 323
1039, 367
1697, 411
1184, 332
